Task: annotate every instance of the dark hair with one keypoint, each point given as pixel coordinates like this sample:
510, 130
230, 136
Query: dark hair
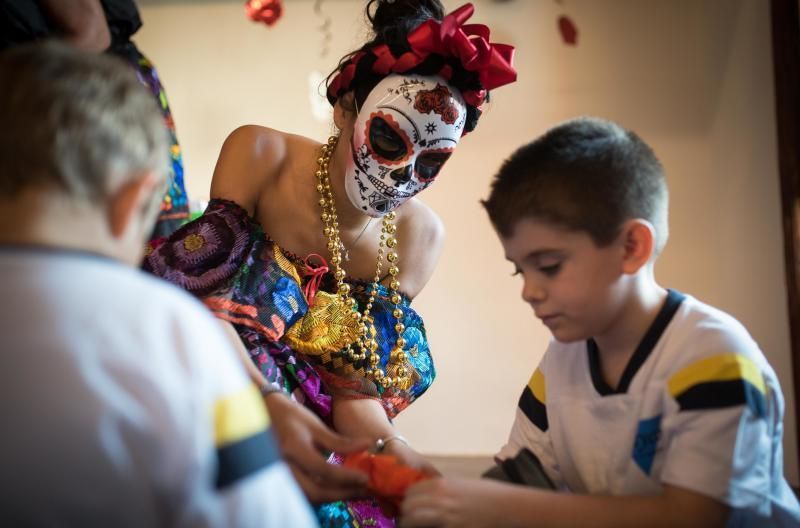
586, 175
392, 21
74, 122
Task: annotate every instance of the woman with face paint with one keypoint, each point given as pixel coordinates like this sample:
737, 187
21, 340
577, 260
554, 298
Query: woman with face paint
311, 253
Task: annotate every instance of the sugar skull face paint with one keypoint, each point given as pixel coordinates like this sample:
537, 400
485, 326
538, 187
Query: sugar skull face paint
405, 131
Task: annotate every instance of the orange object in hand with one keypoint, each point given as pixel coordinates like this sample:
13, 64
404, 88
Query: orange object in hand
388, 477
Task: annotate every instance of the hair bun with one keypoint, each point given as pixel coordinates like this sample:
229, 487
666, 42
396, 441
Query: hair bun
393, 20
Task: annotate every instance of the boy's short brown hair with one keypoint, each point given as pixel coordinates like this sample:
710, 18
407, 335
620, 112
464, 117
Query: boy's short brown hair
588, 175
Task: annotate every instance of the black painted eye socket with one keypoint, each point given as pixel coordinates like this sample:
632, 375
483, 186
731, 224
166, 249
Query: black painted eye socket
429, 164
385, 141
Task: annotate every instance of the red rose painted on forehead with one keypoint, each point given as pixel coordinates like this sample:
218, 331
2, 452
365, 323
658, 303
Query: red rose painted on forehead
439, 100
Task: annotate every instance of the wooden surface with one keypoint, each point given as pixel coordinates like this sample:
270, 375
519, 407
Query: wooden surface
461, 466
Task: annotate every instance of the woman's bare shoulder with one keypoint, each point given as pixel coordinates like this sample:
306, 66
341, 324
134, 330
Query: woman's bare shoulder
420, 234
250, 158
420, 223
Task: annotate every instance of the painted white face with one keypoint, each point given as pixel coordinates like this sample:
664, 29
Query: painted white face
405, 131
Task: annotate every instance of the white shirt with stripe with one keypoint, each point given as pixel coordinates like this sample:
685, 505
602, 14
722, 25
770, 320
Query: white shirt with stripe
124, 405
698, 407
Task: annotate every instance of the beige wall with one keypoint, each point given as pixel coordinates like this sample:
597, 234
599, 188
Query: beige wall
692, 77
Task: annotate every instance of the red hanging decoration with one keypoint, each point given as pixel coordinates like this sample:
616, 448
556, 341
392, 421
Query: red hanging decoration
265, 11
569, 33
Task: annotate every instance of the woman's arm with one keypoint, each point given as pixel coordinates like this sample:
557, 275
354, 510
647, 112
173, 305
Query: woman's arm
366, 418
250, 158
420, 237
304, 439
471, 503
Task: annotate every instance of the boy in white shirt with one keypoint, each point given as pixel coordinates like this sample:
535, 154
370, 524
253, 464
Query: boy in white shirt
649, 407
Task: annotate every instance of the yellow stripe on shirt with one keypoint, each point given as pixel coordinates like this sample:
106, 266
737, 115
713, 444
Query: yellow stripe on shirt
538, 386
239, 415
722, 367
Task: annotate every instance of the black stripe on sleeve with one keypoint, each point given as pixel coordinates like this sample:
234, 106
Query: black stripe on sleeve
535, 410
720, 394
244, 457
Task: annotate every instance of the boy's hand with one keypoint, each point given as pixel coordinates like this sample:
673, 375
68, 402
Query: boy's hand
303, 439
469, 503
451, 503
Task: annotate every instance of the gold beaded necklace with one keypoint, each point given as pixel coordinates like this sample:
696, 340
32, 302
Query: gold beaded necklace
364, 349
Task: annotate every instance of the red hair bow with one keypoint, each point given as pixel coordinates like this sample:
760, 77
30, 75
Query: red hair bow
469, 43
449, 38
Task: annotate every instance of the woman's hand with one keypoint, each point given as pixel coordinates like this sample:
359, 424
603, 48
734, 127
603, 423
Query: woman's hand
366, 418
405, 454
305, 442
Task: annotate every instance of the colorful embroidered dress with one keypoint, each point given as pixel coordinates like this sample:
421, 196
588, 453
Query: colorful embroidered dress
123, 22
293, 332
